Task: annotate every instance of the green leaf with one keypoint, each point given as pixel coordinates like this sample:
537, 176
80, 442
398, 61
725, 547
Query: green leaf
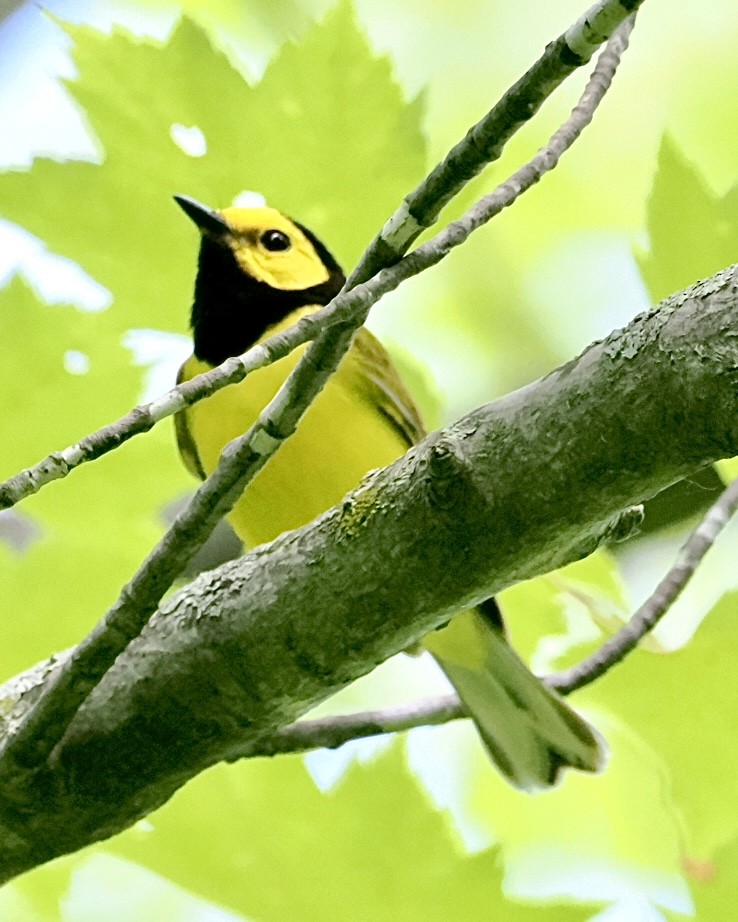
261, 25
260, 839
282, 138
35, 897
599, 836
73, 888
91, 531
692, 231
48, 406
682, 705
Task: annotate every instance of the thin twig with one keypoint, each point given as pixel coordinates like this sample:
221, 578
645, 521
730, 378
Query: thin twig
456, 233
144, 417
332, 732
656, 606
242, 459
484, 142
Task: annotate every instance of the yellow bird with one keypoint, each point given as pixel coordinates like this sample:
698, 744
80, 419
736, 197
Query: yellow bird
258, 272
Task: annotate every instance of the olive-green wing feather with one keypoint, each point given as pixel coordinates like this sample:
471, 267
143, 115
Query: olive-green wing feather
185, 442
372, 375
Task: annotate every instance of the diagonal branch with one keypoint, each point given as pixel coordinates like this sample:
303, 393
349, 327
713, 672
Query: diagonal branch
144, 417
485, 141
658, 604
332, 732
45, 725
550, 154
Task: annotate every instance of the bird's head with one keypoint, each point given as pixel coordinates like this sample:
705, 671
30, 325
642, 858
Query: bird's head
256, 267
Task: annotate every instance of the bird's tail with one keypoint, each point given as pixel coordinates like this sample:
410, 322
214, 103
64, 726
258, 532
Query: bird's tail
528, 730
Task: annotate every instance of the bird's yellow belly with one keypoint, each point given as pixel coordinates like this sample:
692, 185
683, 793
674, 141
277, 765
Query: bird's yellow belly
339, 439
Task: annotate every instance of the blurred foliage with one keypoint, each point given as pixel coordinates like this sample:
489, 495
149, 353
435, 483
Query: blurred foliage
259, 839
690, 697
328, 130
692, 231
301, 114
392, 854
93, 532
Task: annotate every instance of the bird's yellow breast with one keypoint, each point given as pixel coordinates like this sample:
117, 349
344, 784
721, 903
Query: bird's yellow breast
341, 437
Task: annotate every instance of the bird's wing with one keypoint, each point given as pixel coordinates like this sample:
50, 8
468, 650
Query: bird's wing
185, 442
375, 379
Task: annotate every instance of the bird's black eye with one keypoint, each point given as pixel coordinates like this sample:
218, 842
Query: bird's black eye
275, 241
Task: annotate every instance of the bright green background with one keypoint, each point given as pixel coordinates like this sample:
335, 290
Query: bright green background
334, 132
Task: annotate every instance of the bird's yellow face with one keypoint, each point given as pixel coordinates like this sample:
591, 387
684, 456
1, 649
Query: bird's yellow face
272, 249
256, 268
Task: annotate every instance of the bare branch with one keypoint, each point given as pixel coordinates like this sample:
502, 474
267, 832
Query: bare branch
250, 647
549, 155
485, 141
144, 417
331, 732
457, 232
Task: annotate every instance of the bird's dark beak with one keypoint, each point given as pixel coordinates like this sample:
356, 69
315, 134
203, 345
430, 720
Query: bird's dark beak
206, 218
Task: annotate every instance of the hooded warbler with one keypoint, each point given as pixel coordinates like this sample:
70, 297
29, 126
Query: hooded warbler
258, 271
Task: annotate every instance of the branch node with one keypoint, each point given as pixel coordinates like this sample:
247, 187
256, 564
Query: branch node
625, 525
446, 474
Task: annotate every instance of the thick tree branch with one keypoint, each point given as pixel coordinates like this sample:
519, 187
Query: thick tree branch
514, 489
45, 725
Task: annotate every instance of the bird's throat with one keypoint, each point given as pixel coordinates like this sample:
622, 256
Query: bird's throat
232, 310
